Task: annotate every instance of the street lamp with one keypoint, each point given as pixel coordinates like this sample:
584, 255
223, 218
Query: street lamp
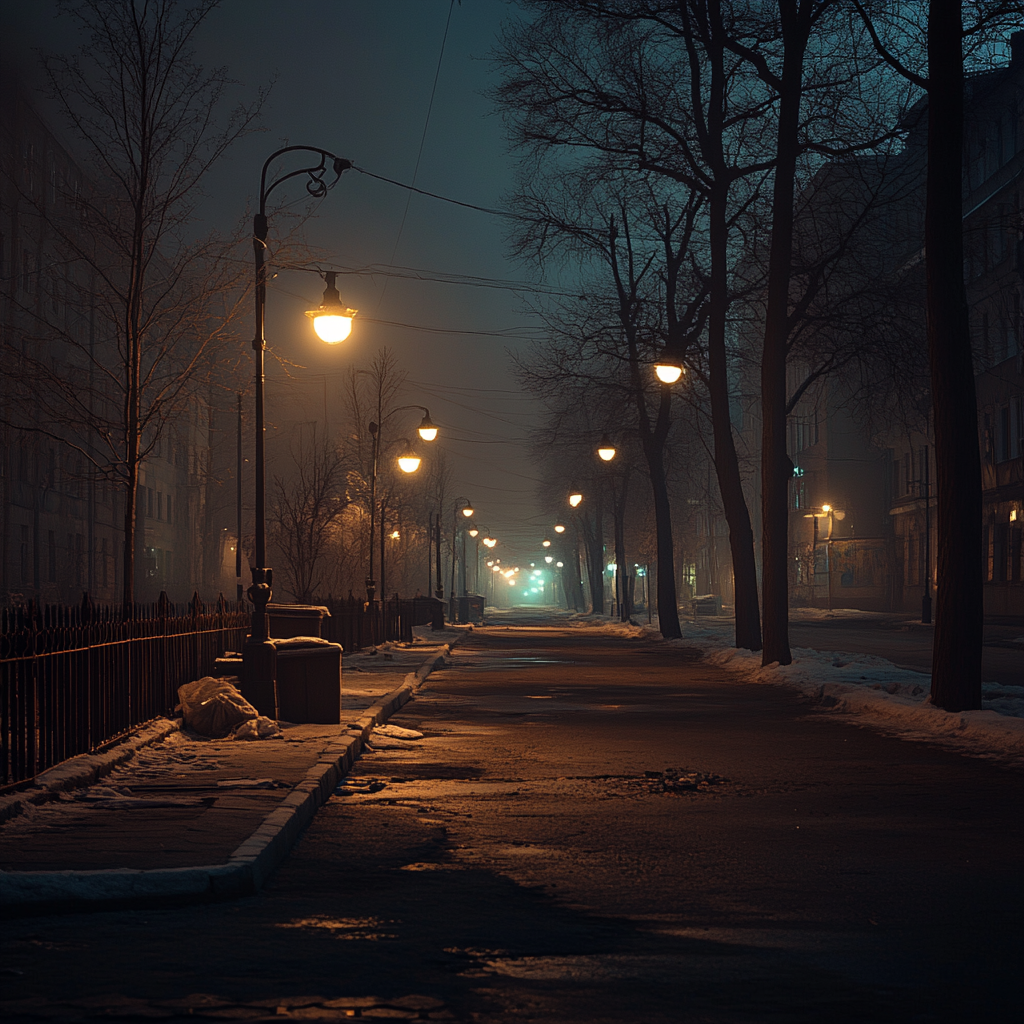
427, 429
258, 652
831, 514
559, 528
575, 496
408, 462
331, 320
467, 511
669, 367
606, 450
545, 543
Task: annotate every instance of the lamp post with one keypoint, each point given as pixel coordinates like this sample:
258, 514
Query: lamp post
408, 462
258, 652
467, 512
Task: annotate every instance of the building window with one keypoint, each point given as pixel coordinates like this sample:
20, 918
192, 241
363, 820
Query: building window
1002, 439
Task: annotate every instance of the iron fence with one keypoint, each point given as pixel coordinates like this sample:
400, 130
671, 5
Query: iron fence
356, 624
74, 678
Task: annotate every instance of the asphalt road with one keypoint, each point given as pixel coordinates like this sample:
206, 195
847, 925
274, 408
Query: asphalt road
541, 854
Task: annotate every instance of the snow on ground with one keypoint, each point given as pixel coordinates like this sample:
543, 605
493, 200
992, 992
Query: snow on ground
870, 689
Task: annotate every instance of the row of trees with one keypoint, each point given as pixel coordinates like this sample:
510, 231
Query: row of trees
320, 503
667, 147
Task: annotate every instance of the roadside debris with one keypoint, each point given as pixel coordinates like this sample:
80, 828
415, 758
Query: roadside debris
214, 707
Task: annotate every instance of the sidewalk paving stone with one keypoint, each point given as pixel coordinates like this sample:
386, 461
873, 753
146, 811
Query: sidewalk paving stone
173, 813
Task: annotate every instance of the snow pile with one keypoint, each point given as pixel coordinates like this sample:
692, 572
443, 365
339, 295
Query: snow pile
894, 699
872, 689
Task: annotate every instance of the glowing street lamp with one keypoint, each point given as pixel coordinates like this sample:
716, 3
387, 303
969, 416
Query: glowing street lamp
545, 543
427, 428
606, 450
575, 498
258, 653
331, 320
669, 367
408, 461
559, 528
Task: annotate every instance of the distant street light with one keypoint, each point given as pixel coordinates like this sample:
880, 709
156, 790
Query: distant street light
669, 367
606, 450
575, 497
258, 652
408, 462
427, 429
545, 543
559, 528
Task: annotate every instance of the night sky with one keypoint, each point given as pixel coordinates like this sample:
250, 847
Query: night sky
354, 77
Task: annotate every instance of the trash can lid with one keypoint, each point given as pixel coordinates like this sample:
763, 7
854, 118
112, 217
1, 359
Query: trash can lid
293, 643
299, 610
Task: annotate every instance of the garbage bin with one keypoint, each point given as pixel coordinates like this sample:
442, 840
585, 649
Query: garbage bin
308, 680
288, 620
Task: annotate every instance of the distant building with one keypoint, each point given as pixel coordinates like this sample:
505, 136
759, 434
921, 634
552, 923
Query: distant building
875, 547
61, 520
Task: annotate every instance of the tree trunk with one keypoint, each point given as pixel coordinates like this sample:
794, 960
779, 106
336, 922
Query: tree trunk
595, 554
959, 608
668, 609
774, 461
621, 571
737, 515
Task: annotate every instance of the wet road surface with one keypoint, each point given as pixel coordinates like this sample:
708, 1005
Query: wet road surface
596, 829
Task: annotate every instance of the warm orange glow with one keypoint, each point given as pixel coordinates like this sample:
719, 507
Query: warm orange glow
559, 528
668, 373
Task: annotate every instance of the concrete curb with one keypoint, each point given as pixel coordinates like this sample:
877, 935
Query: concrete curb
247, 868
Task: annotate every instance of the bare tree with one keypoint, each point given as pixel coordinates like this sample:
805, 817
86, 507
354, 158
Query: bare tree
305, 514
154, 304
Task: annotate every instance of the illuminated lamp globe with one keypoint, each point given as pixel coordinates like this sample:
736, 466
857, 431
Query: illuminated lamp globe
669, 367
332, 321
606, 450
427, 428
545, 543
558, 565
472, 531
559, 528
575, 498
548, 559
467, 511
409, 461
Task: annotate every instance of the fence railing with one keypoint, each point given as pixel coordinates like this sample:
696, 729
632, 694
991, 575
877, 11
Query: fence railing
355, 624
72, 679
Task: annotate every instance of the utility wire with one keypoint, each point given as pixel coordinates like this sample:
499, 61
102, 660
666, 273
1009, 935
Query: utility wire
423, 139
